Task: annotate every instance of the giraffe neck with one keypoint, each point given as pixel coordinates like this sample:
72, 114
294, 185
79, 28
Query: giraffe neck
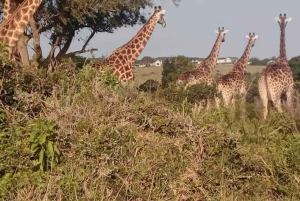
136, 45
282, 44
7, 9
211, 60
12, 29
241, 64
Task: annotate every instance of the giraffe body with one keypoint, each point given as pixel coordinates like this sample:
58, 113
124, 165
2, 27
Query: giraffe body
12, 28
234, 83
203, 73
277, 79
7, 9
122, 59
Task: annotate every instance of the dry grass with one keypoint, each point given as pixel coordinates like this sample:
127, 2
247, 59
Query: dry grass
155, 73
146, 73
121, 144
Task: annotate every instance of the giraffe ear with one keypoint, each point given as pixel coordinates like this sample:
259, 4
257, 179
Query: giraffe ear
288, 20
226, 31
277, 19
216, 31
255, 37
247, 36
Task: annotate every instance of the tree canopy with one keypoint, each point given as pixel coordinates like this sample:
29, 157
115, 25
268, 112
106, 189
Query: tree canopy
63, 20
295, 66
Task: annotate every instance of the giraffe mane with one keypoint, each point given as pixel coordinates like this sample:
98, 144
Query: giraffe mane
141, 30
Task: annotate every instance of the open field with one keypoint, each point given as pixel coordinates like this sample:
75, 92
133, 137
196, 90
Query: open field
143, 74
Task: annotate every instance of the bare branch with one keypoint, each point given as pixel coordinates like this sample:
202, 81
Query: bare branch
88, 40
80, 52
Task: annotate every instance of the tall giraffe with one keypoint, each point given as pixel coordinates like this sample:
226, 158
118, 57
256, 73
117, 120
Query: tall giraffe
203, 73
12, 28
7, 11
234, 82
122, 59
277, 78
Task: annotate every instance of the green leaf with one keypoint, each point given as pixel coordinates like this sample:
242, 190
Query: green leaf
34, 147
49, 147
42, 138
56, 150
41, 159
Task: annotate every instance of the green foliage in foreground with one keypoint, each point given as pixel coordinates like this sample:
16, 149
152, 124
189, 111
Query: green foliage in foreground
116, 143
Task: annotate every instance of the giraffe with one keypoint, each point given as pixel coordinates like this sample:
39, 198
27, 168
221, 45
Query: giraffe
234, 82
122, 59
203, 73
277, 78
7, 11
12, 28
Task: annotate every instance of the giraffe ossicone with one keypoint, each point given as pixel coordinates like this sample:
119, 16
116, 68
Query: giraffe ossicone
121, 60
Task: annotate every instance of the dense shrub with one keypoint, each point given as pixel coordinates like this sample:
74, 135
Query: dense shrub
149, 86
295, 65
252, 90
177, 95
173, 68
94, 139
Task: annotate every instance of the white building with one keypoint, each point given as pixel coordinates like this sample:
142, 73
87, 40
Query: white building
225, 60
196, 61
157, 63
270, 62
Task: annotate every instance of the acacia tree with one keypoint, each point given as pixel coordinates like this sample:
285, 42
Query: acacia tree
63, 20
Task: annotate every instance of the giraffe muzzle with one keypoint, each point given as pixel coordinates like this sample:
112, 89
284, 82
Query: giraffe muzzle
162, 22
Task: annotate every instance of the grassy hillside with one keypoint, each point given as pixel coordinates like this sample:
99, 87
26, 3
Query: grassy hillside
79, 135
143, 74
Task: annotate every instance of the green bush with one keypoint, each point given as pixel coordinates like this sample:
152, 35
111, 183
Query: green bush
149, 86
24, 146
196, 93
295, 66
252, 88
42, 142
173, 68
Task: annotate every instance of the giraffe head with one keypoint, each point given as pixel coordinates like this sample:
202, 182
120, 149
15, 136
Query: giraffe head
252, 37
158, 14
222, 32
282, 20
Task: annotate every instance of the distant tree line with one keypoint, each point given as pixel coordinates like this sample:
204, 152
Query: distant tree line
261, 62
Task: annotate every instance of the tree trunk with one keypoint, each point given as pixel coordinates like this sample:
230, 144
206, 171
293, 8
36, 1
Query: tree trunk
36, 40
67, 44
22, 48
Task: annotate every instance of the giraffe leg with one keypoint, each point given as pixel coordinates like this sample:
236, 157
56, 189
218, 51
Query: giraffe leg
277, 103
276, 99
218, 95
218, 101
263, 93
227, 97
243, 93
289, 96
233, 101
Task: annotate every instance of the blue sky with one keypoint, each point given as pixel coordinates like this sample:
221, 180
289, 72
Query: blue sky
190, 29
